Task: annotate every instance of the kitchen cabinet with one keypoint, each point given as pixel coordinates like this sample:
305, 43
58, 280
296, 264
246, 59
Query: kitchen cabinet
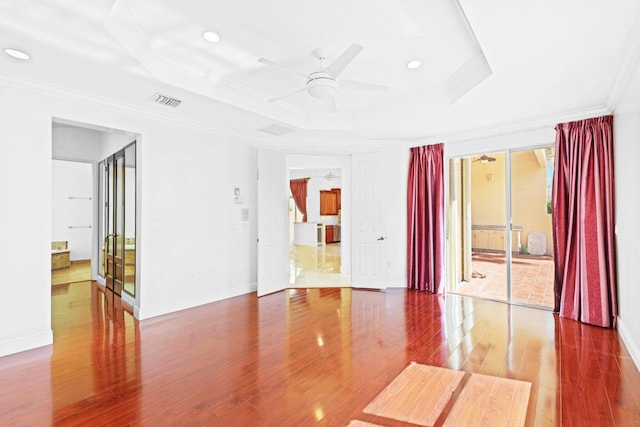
496, 240
60, 255
493, 238
332, 233
330, 201
480, 239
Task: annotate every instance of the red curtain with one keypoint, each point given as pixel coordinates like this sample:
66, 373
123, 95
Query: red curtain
299, 192
425, 219
583, 222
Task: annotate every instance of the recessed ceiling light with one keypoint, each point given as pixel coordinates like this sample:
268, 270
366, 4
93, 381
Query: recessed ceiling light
15, 53
412, 65
210, 36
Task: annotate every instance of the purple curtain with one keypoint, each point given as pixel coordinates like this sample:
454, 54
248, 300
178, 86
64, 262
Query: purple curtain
425, 219
299, 192
583, 222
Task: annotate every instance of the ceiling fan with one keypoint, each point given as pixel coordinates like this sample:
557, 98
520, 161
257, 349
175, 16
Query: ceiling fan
331, 175
484, 159
323, 84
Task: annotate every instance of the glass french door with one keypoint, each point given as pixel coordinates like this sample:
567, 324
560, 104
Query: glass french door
500, 226
117, 197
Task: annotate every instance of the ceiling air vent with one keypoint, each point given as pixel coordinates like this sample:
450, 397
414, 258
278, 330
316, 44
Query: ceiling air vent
276, 130
159, 98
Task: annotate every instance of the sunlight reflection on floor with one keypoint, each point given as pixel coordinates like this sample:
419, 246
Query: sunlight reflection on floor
316, 267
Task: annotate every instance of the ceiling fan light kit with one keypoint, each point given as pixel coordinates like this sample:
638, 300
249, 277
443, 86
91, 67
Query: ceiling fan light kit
331, 175
211, 37
484, 159
321, 85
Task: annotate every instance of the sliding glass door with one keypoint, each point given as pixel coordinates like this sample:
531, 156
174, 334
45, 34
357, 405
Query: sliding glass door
497, 207
532, 242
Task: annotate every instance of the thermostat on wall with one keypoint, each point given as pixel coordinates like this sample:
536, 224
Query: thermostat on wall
237, 198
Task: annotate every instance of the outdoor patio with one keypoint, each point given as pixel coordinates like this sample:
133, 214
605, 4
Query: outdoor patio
532, 278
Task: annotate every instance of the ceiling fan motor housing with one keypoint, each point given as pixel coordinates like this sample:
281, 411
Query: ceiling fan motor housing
321, 85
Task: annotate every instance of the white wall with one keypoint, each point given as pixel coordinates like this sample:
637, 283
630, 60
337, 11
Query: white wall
111, 142
75, 143
25, 218
190, 252
72, 202
626, 134
193, 249
396, 209
627, 176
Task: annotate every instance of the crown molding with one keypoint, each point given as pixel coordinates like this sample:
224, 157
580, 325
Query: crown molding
342, 145
360, 144
57, 91
66, 93
549, 121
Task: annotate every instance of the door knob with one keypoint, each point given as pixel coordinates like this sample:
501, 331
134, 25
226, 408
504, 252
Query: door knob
380, 238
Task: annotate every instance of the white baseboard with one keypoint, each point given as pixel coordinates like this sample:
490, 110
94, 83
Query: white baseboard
26, 343
396, 285
632, 346
194, 301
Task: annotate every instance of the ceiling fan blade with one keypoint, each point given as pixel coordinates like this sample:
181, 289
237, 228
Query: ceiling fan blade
278, 98
284, 67
352, 84
340, 63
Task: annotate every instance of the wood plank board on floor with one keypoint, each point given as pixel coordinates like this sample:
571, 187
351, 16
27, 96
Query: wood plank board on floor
78, 271
418, 395
490, 401
258, 361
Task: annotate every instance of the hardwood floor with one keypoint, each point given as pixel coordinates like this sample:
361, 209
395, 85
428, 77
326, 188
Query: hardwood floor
78, 271
304, 357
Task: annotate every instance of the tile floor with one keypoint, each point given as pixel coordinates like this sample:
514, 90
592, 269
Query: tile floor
532, 278
316, 267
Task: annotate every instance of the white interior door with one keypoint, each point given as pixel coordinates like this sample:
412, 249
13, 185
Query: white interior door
273, 232
369, 260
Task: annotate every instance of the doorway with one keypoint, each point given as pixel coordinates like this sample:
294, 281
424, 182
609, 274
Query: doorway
365, 201
82, 146
500, 226
315, 255
72, 220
